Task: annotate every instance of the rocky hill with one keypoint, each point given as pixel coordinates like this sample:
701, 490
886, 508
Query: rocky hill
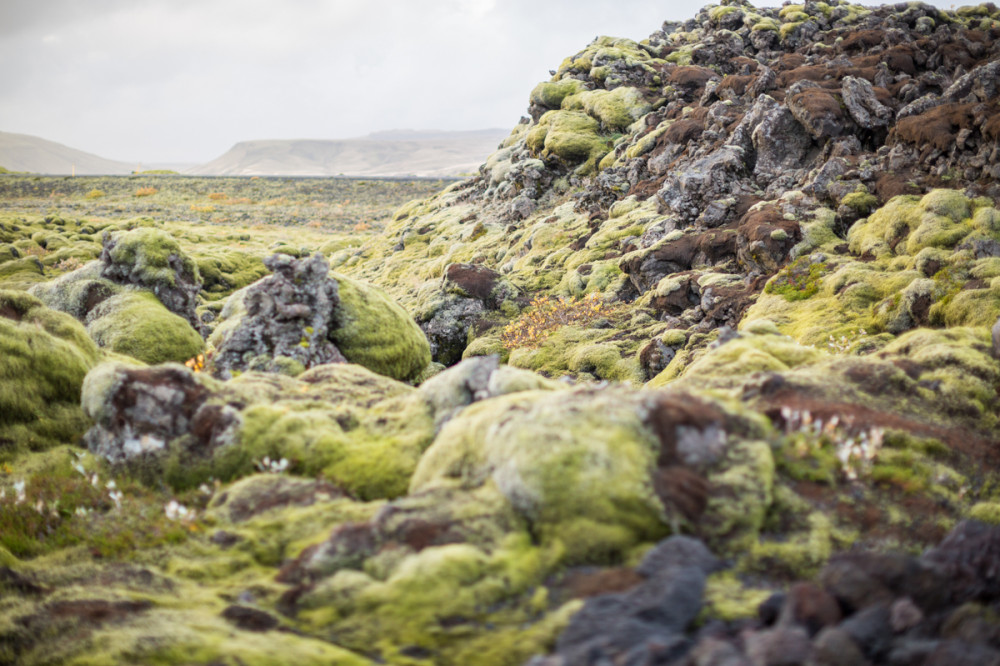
385, 154
22, 152
703, 367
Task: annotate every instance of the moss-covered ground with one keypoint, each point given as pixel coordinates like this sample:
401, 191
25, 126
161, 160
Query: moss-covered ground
786, 375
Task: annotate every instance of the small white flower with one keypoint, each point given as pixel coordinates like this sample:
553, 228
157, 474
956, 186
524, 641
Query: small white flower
172, 509
19, 491
81, 511
110, 485
40, 506
94, 480
177, 511
78, 467
116, 497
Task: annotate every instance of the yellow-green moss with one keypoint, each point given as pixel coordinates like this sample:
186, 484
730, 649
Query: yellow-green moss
224, 271
741, 495
136, 324
372, 330
574, 464
550, 94
801, 556
572, 136
727, 599
44, 356
987, 512
616, 109
363, 431
154, 256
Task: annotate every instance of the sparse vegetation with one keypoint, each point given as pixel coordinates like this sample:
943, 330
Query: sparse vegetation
547, 314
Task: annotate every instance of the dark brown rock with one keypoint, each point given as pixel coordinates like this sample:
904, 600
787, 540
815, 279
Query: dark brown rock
809, 606
250, 619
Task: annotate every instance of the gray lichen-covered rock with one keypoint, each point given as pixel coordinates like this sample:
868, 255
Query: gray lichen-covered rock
138, 412
288, 315
467, 293
715, 177
863, 105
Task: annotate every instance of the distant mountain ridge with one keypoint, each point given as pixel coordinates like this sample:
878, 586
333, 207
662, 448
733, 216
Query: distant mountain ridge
23, 152
391, 153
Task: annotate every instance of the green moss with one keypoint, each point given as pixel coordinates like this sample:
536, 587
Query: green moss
570, 350
616, 109
372, 330
487, 345
728, 600
572, 136
44, 356
154, 257
741, 495
765, 23
551, 94
987, 512
801, 556
797, 281
948, 203
573, 464
648, 141
604, 361
986, 220
789, 10
959, 361
754, 353
76, 292
860, 201
411, 606
901, 470
168, 636
138, 325
804, 457
224, 271
788, 29
363, 431
21, 273
717, 13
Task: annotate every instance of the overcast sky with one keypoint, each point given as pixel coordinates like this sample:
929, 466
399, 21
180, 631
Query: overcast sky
183, 80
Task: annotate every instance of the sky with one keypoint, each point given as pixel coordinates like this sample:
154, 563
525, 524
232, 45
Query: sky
181, 81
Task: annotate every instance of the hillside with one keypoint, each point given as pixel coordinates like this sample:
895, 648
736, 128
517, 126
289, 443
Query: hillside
388, 154
21, 152
702, 366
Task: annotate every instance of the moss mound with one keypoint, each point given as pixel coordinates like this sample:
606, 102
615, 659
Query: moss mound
150, 257
372, 330
44, 356
136, 324
575, 465
917, 261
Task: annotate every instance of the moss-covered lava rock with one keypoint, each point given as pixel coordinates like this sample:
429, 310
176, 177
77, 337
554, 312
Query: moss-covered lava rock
45, 356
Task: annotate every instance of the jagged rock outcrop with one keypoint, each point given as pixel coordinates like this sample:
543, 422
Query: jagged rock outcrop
288, 315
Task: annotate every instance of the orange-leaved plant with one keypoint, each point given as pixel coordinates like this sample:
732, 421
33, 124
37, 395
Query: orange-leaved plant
547, 314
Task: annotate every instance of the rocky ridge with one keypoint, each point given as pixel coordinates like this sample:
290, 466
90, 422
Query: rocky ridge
713, 382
